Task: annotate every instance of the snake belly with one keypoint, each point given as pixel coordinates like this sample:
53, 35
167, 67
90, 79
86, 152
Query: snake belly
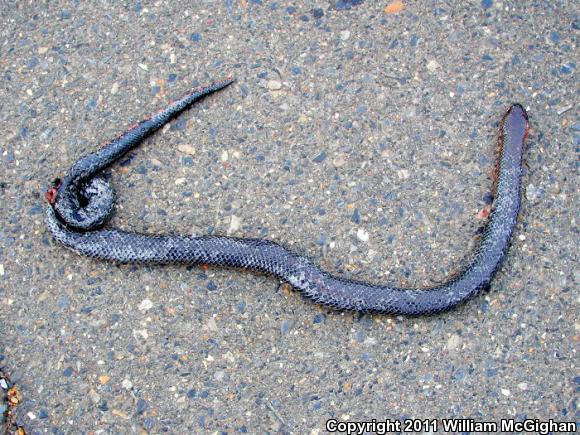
82, 203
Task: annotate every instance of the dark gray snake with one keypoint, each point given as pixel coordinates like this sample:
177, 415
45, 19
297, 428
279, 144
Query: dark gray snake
82, 202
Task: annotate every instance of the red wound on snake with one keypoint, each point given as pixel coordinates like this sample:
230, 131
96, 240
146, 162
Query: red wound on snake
50, 194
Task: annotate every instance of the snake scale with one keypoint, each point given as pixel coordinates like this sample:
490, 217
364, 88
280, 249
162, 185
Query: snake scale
81, 204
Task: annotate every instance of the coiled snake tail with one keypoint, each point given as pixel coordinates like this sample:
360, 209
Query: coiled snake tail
83, 200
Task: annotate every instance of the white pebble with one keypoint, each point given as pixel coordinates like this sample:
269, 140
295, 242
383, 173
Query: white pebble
403, 174
127, 384
371, 341
141, 332
274, 85
186, 149
362, 235
453, 342
506, 392
94, 396
344, 35
433, 65
235, 223
145, 305
212, 325
339, 161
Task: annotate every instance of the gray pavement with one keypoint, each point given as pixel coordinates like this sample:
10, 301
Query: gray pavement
360, 138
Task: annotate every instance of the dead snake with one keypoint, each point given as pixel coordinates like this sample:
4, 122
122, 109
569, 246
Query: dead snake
82, 203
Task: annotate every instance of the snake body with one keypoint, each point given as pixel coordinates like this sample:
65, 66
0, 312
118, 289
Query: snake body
81, 204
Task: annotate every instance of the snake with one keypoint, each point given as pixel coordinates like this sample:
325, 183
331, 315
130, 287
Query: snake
81, 203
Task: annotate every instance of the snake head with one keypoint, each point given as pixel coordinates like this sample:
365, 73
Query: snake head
50, 194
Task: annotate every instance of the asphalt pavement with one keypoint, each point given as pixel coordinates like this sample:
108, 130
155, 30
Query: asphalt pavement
360, 134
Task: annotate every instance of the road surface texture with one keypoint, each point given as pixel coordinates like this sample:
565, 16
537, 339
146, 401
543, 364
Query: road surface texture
360, 134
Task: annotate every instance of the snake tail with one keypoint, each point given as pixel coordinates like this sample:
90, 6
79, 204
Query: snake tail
83, 199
